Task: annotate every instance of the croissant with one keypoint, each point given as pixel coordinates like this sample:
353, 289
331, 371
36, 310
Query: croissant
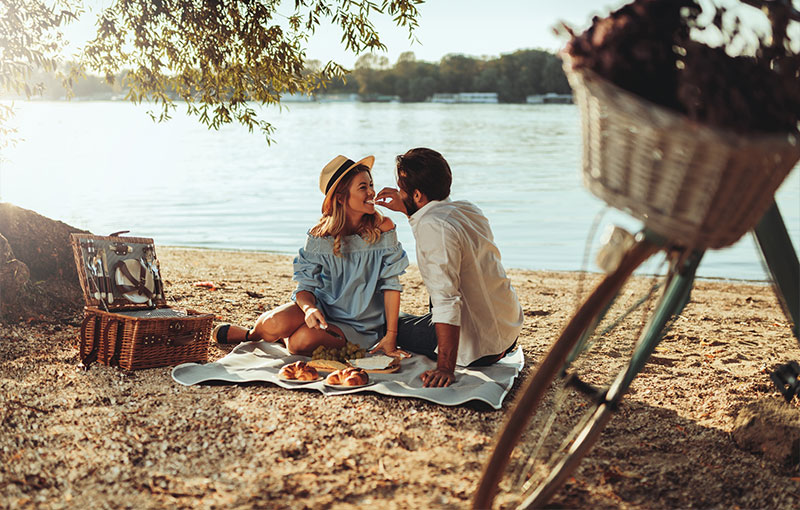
299, 370
348, 377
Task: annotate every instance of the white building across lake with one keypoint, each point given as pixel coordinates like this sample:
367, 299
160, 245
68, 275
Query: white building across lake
466, 97
549, 98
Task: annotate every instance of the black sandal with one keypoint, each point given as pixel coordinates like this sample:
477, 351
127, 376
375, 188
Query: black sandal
220, 334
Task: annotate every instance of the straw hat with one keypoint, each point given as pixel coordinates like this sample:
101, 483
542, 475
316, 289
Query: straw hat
334, 172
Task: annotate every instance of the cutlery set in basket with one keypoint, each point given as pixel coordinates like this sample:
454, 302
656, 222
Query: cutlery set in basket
127, 322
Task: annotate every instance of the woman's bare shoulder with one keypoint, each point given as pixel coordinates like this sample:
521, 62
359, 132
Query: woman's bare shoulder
387, 224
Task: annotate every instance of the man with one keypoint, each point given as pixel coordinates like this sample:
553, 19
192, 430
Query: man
475, 315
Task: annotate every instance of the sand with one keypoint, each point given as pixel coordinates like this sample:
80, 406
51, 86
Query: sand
106, 438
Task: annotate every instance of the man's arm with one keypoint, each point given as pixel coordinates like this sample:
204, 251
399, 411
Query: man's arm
447, 338
439, 261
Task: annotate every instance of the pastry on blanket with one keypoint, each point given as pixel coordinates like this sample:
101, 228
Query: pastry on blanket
299, 370
348, 377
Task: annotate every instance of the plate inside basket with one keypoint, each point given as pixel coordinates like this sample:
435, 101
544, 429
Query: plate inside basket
134, 269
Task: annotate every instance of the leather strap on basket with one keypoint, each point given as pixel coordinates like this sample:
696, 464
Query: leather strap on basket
112, 343
87, 358
178, 335
140, 286
184, 339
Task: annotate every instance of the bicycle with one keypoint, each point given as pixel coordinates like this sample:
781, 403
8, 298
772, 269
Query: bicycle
567, 406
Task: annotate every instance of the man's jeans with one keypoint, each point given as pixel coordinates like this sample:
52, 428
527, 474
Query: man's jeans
417, 334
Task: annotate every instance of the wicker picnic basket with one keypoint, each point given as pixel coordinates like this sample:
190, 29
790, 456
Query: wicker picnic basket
698, 186
127, 322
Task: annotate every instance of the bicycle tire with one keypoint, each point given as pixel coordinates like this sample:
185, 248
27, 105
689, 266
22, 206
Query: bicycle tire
589, 433
538, 384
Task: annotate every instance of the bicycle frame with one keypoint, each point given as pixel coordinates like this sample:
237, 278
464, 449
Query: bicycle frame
778, 252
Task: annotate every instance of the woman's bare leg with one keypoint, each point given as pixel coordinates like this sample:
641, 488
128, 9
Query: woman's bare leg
278, 323
304, 340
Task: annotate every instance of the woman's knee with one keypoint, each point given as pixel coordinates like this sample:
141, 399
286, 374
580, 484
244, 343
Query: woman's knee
301, 342
278, 323
304, 340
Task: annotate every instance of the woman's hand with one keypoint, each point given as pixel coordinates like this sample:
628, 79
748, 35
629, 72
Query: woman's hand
315, 319
388, 345
390, 199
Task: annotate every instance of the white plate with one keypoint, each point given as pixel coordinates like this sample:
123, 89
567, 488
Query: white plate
299, 381
135, 268
345, 387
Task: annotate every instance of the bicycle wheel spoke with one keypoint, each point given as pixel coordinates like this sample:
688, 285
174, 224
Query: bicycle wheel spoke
561, 422
523, 477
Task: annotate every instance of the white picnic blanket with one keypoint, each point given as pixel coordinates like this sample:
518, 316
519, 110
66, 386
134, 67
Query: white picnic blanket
261, 361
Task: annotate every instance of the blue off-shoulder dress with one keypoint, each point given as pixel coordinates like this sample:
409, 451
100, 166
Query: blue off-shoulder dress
349, 289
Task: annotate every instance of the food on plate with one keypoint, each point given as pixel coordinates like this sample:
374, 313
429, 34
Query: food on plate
342, 354
379, 362
299, 370
327, 365
348, 377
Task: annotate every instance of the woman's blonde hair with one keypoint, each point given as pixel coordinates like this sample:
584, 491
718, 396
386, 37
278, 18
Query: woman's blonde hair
333, 223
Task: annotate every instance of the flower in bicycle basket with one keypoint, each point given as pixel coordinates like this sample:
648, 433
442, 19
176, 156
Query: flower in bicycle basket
662, 51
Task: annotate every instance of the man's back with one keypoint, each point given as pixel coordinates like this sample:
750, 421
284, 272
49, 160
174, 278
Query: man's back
461, 267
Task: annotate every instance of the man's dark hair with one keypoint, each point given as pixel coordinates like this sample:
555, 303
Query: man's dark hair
424, 170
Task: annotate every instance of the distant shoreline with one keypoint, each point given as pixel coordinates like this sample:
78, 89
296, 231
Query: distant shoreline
211, 250
332, 98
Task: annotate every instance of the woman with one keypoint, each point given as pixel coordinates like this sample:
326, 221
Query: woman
347, 274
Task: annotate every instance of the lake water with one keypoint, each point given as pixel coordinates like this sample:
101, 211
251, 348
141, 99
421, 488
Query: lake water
105, 166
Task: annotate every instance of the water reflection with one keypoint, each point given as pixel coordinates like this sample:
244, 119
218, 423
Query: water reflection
105, 166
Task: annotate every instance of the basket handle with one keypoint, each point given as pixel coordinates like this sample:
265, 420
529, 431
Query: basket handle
108, 341
87, 358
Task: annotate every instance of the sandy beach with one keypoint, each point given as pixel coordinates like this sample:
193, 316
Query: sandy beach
106, 438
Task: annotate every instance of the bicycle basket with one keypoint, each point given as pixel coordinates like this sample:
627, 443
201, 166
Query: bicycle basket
697, 186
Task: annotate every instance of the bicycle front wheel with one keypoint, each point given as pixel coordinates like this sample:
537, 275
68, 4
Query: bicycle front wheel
512, 469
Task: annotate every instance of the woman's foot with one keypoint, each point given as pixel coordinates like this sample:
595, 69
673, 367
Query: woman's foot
229, 334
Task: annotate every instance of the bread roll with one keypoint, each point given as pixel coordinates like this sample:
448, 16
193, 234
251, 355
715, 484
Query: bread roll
299, 370
334, 378
348, 377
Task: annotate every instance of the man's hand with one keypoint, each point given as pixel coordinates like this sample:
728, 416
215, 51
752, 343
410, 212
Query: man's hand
437, 378
390, 199
444, 375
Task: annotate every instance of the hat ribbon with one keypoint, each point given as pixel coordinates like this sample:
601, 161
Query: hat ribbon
338, 173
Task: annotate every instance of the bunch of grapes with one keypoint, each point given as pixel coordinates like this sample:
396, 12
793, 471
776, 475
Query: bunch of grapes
341, 354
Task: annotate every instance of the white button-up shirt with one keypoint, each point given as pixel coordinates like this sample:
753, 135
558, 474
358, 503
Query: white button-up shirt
460, 265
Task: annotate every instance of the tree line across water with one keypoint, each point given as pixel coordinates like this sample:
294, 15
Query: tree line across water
512, 76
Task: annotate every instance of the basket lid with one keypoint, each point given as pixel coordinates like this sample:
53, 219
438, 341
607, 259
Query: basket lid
118, 272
